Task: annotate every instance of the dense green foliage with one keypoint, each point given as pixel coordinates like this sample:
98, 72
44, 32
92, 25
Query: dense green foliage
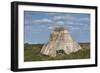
32, 53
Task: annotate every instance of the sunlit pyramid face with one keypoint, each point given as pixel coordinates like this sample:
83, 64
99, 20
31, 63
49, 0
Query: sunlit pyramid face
60, 40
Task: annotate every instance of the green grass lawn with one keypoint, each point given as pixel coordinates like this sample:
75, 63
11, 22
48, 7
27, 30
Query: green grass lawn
32, 53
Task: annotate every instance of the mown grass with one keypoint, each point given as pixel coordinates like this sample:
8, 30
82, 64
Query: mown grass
32, 53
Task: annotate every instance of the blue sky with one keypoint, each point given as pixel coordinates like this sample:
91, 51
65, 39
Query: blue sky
39, 25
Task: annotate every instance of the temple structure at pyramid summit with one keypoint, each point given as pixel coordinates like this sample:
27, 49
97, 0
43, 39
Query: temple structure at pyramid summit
60, 39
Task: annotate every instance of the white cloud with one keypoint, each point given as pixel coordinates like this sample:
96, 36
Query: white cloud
74, 19
42, 20
73, 28
46, 20
69, 26
30, 29
50, 27
29, 22
64, 17
78, 28
60, 22
58, 17
76, 23
84, 19
70, 22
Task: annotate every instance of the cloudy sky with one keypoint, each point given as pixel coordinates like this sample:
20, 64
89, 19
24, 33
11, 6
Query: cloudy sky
39, 25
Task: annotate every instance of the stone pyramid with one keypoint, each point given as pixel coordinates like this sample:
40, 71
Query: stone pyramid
60, 39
